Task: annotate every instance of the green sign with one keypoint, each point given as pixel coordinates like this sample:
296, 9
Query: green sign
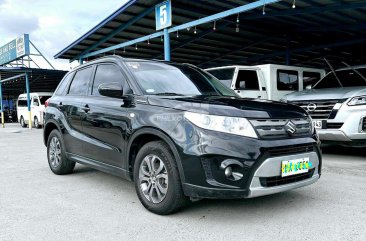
14, 50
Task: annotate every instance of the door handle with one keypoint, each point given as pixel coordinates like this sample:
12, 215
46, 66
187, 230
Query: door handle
86, 108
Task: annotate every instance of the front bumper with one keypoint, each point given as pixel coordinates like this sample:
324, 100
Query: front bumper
202, 156
352, 128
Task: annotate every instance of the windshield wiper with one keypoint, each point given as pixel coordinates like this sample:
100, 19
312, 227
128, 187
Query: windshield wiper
331, 67
169, 94
354, 70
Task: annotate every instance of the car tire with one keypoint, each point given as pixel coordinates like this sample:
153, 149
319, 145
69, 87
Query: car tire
36, 123
149, 181
22, 122
56, 155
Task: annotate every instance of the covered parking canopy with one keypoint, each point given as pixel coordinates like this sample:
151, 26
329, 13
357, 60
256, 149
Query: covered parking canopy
285, 32
40, 80
18, 80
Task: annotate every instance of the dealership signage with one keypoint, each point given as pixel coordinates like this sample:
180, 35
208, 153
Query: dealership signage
163, 15
14, 50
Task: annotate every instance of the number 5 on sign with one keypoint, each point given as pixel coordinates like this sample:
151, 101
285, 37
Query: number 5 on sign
163, 15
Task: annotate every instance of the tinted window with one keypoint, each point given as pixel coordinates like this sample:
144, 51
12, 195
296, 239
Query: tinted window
160, 78
310, 78
247, 80
61, 89
287, 80
22, 103
348, 78
80, 83
224, 75
107, 73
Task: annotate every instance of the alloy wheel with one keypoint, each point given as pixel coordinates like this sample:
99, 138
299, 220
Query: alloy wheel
55, 152
153, 178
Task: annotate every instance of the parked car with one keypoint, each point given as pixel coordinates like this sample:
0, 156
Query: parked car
337, 104
178, 133
269, 81
37, 104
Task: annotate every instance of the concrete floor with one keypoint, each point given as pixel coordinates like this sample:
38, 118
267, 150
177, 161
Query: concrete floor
90, 205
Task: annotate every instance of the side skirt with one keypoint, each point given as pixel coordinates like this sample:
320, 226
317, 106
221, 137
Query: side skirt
116, 171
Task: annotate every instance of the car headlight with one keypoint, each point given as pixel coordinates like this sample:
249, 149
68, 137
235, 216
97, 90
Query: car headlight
359, 100
226, 124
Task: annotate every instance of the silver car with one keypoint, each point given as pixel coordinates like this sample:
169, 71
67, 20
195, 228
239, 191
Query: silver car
337, 105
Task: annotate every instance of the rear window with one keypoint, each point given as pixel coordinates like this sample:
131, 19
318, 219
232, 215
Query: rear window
224, 75
287, 80
62, 87
80, 83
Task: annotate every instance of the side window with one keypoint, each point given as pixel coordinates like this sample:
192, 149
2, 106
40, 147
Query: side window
22, 103
247, 80
107, 73
63, 84
310, 78
224, 75
35, 101
287, 80
80, 83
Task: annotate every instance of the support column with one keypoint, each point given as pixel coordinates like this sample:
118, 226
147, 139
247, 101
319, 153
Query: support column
2, 107
28, 101
166, 45
81, 60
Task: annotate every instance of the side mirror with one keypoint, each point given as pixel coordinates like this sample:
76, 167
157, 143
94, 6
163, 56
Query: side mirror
308, 87
114, 90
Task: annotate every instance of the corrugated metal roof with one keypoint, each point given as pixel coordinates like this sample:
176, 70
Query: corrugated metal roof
335, 29
41, 80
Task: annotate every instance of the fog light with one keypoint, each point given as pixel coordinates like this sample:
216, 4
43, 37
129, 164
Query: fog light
228, 171
229, 166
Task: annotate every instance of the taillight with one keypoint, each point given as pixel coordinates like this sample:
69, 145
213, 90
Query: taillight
46, 103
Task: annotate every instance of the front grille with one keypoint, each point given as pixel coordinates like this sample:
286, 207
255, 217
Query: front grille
288, 150
277, 181
322, 110
364, 124
334, 125
275, 128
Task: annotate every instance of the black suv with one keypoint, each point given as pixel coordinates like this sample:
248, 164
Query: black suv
178, 133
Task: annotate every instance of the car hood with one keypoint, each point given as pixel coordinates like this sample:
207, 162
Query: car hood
230, 106
326, 94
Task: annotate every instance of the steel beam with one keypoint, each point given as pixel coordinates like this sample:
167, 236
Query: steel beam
191, 24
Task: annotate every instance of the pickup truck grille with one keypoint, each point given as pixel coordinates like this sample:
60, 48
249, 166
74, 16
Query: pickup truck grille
275, 128
322, 110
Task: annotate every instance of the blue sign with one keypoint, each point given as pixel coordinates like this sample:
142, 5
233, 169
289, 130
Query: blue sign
163, 15
14, 50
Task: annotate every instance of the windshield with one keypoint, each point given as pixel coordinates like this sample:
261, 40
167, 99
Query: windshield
348, 78
174, 79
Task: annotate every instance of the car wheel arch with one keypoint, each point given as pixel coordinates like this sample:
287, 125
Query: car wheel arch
146, 135
48, 128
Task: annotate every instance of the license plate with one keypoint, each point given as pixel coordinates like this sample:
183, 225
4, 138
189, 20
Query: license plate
293, 167
318, 124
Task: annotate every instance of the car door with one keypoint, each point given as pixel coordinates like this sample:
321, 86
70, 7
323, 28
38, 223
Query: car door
247, 84
105, 119
70, 106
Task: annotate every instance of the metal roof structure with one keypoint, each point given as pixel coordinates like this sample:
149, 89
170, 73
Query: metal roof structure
275, 33
40, 80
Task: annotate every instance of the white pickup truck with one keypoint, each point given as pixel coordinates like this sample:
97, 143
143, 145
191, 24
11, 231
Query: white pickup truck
267, 81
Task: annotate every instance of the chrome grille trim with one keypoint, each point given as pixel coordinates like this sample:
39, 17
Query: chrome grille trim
275, 128
323, 107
